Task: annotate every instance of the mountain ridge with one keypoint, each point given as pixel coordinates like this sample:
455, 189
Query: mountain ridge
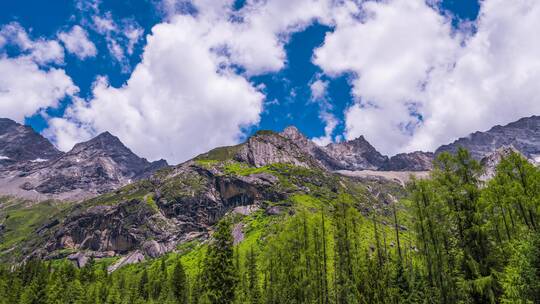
96, 166
104, 163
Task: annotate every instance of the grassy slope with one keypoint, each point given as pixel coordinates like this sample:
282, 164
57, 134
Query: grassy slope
21, 219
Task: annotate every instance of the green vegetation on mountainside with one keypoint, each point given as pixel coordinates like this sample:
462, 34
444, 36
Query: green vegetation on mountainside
20, 219
454, 239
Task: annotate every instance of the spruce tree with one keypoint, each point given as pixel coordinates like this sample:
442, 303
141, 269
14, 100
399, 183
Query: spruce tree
220, 275
179, 285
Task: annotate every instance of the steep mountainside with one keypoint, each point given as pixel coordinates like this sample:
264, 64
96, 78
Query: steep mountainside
317, 152
93, 167
523, 135
268, 174
20, 143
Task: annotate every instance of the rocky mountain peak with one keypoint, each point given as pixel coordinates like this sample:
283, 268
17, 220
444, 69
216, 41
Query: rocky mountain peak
5, 123
20, 143
103, 142
96, 166
356, 154
293, 133
268, 147
523, 135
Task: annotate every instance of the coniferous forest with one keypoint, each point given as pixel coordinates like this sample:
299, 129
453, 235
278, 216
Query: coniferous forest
455, 238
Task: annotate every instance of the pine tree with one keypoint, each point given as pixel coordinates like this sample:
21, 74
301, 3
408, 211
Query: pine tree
220, 275
254, 293
179, 284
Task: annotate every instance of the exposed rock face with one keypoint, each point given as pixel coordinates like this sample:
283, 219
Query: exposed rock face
112, 228
490, 162
20, 143
267, 147
132, 258
415, 161
523, 135
178, 207
99, 165
310, 148
356, 154
93, 167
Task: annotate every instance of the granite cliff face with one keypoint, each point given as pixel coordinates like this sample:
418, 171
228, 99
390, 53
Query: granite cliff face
267, 147
523, 135
175, 206
20, 143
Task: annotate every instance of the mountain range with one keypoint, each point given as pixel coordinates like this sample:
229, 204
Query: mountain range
31, 167
123, 204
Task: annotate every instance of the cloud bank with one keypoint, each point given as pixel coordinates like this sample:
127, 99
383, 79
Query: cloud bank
419, 83
27, 84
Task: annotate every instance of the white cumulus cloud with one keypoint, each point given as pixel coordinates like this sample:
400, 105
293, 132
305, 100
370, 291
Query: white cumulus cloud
177, 102
27, 83
77, 42
419, 84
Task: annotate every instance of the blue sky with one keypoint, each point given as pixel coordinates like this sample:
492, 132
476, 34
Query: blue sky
275, 82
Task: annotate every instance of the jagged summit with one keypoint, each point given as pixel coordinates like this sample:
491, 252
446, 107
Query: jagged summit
96, 166
523, 135
268, 147
20, 143
356, 154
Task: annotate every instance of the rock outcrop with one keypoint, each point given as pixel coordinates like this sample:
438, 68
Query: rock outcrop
491, 161
267, 147
414, 161
176, 208
356, 154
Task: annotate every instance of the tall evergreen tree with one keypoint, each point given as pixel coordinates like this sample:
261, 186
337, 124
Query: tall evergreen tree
220, 275
179, 284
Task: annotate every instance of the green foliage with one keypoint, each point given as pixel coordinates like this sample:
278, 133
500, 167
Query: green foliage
219, 271
218, 154
455, 239
21, 218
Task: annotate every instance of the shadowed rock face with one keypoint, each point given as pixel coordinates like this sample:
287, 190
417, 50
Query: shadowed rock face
523, 135
184, 205
20, 143
415, 161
